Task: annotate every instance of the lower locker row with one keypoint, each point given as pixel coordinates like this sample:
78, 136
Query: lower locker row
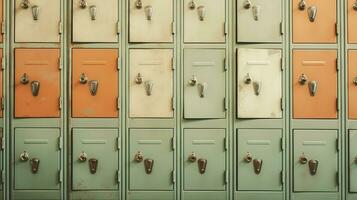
151, 160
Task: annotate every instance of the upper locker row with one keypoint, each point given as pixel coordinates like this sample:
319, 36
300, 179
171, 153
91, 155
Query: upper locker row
314, 21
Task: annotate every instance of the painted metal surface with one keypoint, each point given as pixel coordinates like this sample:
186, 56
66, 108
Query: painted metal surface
351, 21
352, 84
352, 161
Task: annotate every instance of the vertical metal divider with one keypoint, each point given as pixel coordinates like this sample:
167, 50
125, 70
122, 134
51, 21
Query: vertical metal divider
178, 19
6, 121
231, 85
123, 5
64, 89
288, 96
344, 99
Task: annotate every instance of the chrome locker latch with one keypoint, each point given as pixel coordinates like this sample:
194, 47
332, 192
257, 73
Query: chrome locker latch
35, 12
149, 12
312, 11
257, 88
202, 89
148, 87
35, 88
256, 12
93, 165
93, 87
202, 165
313, 88
257, 164
201, 12
35, 164
149, 164
313, 165
93, 12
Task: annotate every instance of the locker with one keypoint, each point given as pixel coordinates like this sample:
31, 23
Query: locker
204, 21
204, 159
95, 83
1, 159
37, 20
259, 160
315, 161
151, 83
151, 160
1, 21
95, 159
1, 83
37, 83
204, 83
352, 84
151, 21
95, 20
314, 21
36, 159
259, 83
259, 21
314, 84
352, 161
351, 21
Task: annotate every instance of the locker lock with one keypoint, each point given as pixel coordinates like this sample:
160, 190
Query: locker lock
247, 78
25, 4
82, 157
139, 157
303, 79
355, 81
83, 79
355, 159
303, 159
248, 157
192, 157
83, 4
139, 78
193, 81
355, 5
24, 79
138, 4
302, 5
247, 4
192, 5
24, 156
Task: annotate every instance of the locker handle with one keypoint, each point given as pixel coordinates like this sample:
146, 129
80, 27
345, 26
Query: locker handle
149, 12
313, 164
201, 12
257, 164
35, 12
35, 88
148, 87
202, 165
82, 157
149, 164
302, 5
247, 4
83, 4
24, 79
24, 156
93, 12
93, 165
202, 89
93, 87
312, 11
313, 87
256, 12
257, 88
35, 164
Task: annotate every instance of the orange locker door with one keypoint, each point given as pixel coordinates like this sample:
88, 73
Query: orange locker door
352, 84
352, 21
1, 17
37, 83
314, 84
95, 83
314, 21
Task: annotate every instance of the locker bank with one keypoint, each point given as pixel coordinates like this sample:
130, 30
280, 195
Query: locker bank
178, 100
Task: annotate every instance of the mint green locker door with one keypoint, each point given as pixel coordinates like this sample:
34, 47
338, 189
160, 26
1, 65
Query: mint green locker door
315, 161
259, 159
204, 159
36, 159
1, 161
95, 159
259, 21
204, 83
352, 162
151, 159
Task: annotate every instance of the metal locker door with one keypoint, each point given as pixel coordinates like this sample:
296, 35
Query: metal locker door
260, 159
259, 83
151, 83
37, 83
151, 159
1, 161
204, 159
204, 21
352, 21
37, 20
95, 159
95, 20
314, 21
204, 83
37, 159
151, 21
1, 21
95, 83
1, 83
314, 84
315, 161
352, 84
352, 162
259, 21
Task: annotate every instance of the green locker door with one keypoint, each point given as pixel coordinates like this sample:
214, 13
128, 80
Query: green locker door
204, 83
259, 21
1, 160
259, 159
36, 159
352, 161
315, 161
204, 159
151, 159
95, 159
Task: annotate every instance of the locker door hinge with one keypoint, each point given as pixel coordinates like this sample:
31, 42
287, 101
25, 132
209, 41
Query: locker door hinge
282, 104
2, 176
118, 176
2, 103
3, 63
173, 103
225, 177
173, 176
282, 144
173, 24
337, 65
281, 28
118, 27
282, 177
60, 103
60, 27
337, 178
118, 103
282, 64
225, 144
337, 144
225, 28
2, 140
118, 63
118, 143
60, 175
60, 142
337, 106
3, 27
225, 103
173, 63
225, 66
60, 63
336, 29
173, 144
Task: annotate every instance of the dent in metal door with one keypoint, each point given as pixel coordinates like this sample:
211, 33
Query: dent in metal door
151, 21
352, 84
37, 20
314, 84
151, 159
151, 83
95, 159
260, 159
352, 21
37, 83
204, 159
352, 162
204, 21
259, 21
314, 21
95, 83
95, 21
259, 83
36, 159
204, 83
315, 161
